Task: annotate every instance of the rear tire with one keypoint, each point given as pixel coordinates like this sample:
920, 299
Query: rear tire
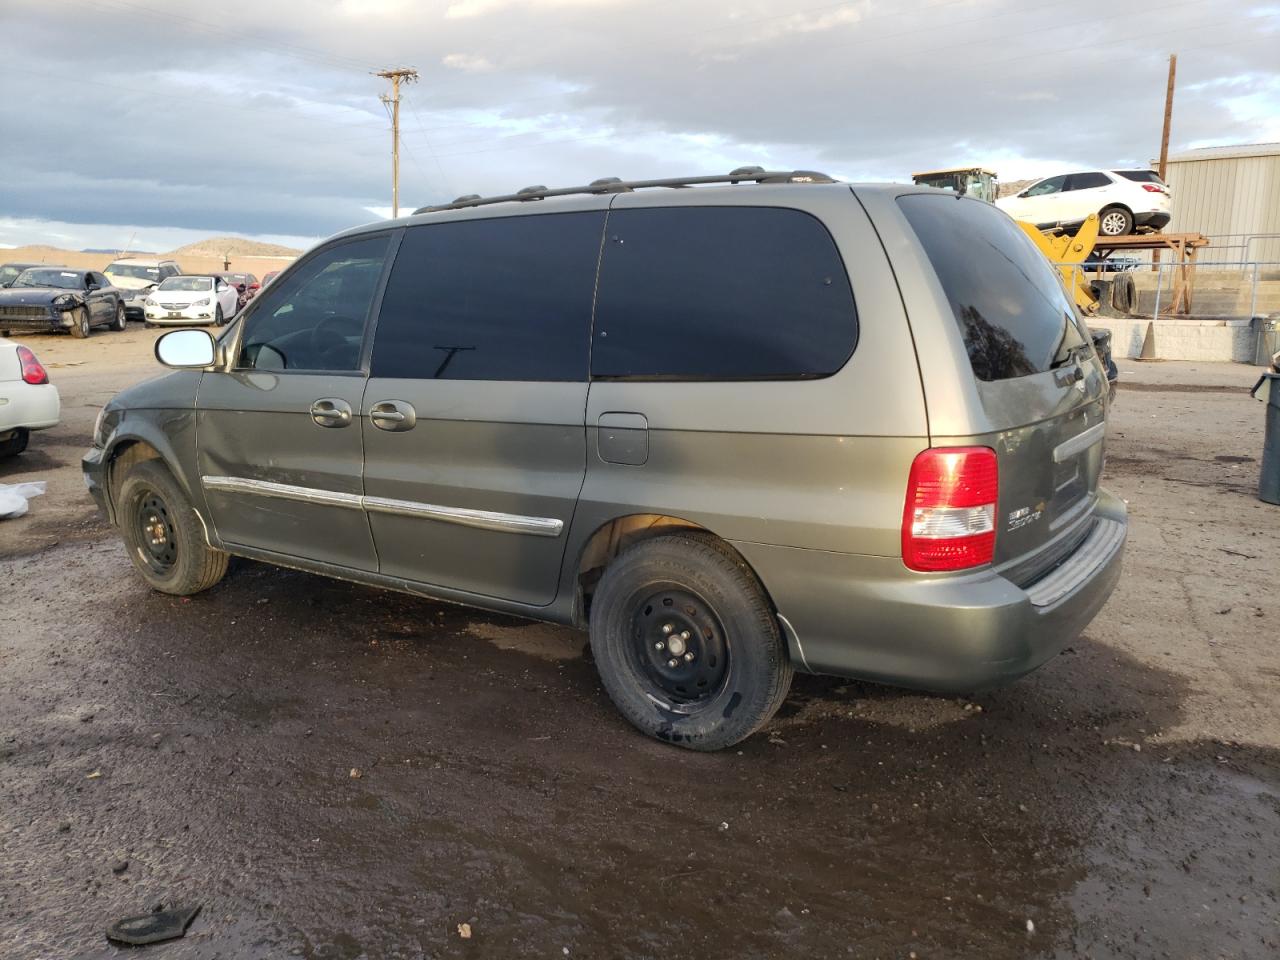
15, 444
687, 599
1115, 222
80, 324
121, 321
165, 537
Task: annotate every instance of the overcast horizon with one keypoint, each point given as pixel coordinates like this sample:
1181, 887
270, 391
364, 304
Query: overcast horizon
137, 124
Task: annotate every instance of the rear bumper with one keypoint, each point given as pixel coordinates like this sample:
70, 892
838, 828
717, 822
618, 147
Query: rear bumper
29, 407
1156, 221
871, 618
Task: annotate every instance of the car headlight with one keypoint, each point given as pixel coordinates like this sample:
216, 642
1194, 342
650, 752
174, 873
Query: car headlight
149, 302
98, 438
201, 303
64, 302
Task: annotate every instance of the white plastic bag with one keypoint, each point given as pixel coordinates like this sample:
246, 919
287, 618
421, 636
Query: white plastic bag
14, 497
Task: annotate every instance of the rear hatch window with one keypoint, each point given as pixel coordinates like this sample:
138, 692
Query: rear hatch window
1141, 176
1007, 300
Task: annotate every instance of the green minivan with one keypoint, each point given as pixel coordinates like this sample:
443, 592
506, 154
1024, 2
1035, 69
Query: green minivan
734, 426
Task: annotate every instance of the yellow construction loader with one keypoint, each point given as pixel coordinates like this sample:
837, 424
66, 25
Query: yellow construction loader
1067, 254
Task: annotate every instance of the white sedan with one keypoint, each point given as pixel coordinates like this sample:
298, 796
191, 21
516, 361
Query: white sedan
192, 299
28, 401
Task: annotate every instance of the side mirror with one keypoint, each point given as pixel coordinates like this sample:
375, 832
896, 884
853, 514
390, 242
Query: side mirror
185, 349
91, 285
222, 287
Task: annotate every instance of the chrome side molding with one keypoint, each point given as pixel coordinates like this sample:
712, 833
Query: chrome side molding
481, 519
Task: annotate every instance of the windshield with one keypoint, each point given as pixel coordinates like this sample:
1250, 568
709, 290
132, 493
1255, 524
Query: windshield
187, 283
135, 270
64, 279
8, 273
236, 277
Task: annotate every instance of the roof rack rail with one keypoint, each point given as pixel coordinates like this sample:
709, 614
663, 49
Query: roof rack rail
616, 185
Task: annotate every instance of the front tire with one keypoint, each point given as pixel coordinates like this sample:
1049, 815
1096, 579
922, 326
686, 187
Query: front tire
165, 537
686, 643
80, 323
218, 319
1115, 222
121, 321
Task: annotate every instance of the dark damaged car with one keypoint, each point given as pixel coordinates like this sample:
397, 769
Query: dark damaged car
60, 298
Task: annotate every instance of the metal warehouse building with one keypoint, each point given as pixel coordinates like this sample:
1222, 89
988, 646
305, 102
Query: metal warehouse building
1231, 194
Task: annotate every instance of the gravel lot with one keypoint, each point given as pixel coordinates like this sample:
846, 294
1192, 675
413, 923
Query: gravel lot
337, 772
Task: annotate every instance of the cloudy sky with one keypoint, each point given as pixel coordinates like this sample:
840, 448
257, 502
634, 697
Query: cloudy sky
165, 121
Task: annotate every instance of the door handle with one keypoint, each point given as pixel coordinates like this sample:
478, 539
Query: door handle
331, 412
393, 415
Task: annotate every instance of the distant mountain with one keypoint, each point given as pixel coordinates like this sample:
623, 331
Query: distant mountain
233, 247
114, 251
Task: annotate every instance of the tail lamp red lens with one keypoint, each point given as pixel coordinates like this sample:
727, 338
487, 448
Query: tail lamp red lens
949, 522
1152, 188
32, 371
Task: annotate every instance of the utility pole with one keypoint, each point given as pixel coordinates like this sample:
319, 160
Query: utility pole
1168, 114
396, 76
1164, 136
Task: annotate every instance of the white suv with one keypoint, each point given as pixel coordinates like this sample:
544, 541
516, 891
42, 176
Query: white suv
1124, 200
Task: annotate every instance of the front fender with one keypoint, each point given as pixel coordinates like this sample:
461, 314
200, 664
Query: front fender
161, 414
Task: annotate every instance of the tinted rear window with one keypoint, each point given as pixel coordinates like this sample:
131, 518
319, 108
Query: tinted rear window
721, 293
1140, 176
501, 299
1007, 300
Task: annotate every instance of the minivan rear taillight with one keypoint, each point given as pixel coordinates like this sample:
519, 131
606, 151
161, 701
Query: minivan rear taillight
949, 522
32, 372
1152, 188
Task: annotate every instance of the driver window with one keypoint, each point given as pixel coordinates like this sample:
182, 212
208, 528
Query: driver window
315, 320
1052, 185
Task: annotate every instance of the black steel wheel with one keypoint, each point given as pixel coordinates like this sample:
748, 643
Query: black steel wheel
157, 540
165, 537
686, 642
679, 647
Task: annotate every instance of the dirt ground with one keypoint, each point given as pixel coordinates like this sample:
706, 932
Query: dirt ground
1123, 801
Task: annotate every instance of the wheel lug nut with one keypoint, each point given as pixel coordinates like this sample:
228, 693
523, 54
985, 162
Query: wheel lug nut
688, 657
659, 645
684, 635
667, 628
673, 663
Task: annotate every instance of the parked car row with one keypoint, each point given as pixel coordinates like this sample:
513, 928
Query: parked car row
1126, 201
43, 298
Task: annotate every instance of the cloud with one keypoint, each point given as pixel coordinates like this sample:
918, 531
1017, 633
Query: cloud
467, 62
279, 130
